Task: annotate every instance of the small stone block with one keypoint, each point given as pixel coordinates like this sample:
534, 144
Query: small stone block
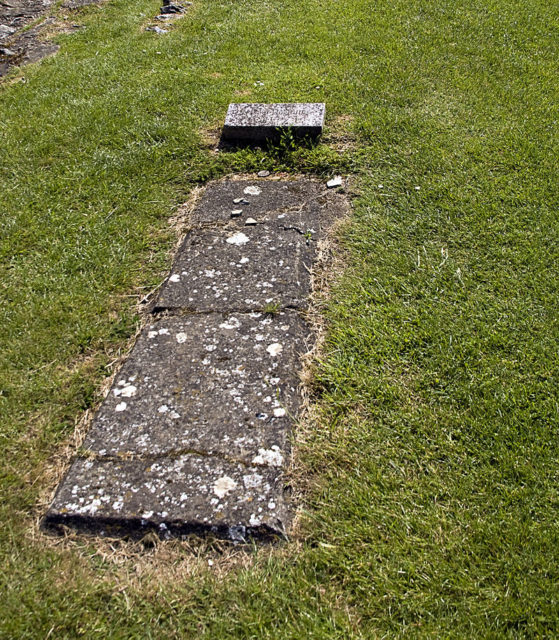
260, 122
187, 494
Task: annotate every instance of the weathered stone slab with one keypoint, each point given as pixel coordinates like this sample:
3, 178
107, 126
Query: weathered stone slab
171, 496
224, 385
242, 268
194, 435
303, 203
260, 122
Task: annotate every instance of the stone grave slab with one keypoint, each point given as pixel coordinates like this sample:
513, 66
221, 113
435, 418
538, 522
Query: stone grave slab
260, 122
223, 385
171, 496
240, 268
303, 203
194, 435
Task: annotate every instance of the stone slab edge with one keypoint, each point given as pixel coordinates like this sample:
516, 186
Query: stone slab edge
186, 495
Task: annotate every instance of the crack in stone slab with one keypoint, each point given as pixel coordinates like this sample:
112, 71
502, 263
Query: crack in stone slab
172, 454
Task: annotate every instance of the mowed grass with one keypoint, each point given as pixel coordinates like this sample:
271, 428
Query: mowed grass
433, 464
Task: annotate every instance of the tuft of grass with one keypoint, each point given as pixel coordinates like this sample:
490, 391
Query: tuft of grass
434, 503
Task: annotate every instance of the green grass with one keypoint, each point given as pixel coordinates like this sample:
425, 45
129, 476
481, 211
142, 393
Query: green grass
435, 468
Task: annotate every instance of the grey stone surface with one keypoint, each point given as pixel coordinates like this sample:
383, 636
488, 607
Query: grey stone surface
171, 496
241, 268
260, 122
211, 383
303, 203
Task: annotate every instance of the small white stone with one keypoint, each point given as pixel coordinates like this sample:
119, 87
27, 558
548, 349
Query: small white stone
252, 191
121, 406
275, 349
163, 409
237, 239
335, 182
244, 260
181, 338
279, 413
250, 222
175, 278
236, 213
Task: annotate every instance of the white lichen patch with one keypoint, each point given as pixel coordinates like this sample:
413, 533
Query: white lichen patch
252, 191
237, 239
223, 486
270, 457
232, 323
126, 392
254, 521
252, 480
275, 349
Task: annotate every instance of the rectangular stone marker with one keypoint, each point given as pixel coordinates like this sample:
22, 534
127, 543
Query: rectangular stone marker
226, 385
260, 122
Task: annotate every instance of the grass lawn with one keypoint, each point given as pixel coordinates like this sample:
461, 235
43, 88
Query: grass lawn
432, 464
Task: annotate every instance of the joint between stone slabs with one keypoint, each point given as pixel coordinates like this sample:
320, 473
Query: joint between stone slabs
162, 312
92, 456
